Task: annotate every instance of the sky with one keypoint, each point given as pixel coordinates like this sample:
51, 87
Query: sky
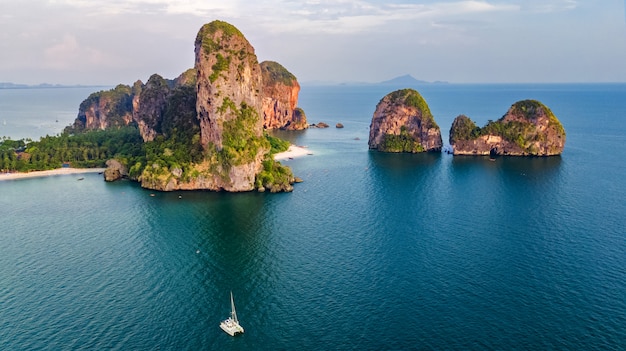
460, 41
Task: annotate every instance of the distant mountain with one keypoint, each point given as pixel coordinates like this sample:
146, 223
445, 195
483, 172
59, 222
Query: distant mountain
408, 80
402, 81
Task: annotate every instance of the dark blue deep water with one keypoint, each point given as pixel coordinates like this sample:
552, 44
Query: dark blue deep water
371, 252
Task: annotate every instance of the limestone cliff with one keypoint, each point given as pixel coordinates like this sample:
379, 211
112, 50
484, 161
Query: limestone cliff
529, 128
403, 122
150, 105
280, 98
229, 80
143, 105
104, 109
228, 107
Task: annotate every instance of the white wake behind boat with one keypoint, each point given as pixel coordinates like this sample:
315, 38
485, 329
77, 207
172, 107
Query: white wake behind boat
231, 324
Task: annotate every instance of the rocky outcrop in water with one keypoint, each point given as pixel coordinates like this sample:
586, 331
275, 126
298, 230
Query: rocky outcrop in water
402, 122
529, 128
115, 170
280, 98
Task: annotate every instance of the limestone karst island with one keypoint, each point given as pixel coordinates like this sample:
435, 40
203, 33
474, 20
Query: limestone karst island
207, 128
402, 122
529, 128
204, 129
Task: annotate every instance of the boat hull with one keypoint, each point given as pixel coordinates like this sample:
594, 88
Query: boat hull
231, 328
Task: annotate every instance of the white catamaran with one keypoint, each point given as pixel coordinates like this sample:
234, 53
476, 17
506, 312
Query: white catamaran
231, 324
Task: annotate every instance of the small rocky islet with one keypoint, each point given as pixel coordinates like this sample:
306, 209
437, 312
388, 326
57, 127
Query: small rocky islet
529, 128
402, 122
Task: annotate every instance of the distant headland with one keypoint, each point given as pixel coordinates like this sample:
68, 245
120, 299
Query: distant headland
9, 85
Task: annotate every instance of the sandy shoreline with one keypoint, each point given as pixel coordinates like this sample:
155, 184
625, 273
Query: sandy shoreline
293, 151
53, 172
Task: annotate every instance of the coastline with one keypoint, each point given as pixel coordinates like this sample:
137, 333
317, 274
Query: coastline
52, 172
293, 151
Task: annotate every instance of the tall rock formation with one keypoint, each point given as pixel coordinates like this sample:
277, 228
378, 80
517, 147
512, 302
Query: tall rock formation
529, 128
403, 122
228, 106
229, 81
280, 98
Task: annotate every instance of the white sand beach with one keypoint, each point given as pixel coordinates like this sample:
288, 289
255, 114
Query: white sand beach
292, 152
59, 171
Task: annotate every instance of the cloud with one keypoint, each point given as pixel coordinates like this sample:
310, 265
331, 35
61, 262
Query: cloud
548, 6
68, 54
309, 16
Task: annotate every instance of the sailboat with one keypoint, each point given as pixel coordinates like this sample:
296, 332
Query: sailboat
231, 324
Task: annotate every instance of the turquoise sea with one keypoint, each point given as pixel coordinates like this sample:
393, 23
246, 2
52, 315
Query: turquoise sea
371, 252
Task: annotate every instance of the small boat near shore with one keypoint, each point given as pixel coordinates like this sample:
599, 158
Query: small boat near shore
231, 324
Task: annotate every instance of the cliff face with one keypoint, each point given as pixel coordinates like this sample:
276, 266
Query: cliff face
228, 107
105, 109
143, 104
280, 98
529, 128
229, 79
150, 105
402, 122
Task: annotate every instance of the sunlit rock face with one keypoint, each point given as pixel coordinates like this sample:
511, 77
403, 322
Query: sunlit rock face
529, 128
402, 122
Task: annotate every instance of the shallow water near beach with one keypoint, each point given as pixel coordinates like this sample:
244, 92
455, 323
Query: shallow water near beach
371, 252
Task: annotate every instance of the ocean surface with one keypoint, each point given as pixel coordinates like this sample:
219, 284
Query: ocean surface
371, 252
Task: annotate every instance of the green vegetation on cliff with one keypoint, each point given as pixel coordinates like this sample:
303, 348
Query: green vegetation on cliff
463, 128
208, 30
222, 64
412, 98
518, 132
166, 155
529, 109
274, 72
400, 143
189, 77
240, 144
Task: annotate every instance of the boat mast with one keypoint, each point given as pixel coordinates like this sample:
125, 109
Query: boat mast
233, 313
